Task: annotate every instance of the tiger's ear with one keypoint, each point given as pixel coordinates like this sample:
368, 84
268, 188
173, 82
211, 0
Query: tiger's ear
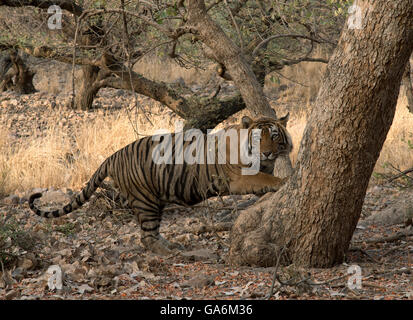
284, 120
246, 122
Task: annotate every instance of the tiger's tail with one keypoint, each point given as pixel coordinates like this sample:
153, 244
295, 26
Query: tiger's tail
81, 198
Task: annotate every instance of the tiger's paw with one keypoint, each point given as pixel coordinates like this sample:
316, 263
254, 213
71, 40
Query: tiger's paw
273, 188
159, 245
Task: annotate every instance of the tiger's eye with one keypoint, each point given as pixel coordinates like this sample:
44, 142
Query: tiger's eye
274, 135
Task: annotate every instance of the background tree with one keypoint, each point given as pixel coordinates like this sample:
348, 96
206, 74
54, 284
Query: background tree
111, 36
107, 38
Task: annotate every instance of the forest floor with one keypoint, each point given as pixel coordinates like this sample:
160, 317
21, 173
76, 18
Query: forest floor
99, 251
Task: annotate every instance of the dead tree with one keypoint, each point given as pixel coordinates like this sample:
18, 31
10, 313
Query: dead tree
16, 76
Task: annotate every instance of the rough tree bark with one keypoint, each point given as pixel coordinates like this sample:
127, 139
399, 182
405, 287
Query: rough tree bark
19, 77
312, 218
408, 86
88, 89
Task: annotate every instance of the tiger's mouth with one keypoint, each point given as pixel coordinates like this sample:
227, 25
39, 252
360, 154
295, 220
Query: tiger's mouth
268, 156
271, 156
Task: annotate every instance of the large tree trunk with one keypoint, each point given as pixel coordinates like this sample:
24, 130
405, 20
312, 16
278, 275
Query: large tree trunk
87, 90
312, 218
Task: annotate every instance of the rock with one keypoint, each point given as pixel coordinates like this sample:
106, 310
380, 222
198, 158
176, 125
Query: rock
390, 216
11, 295
408, 218
36, 190
57, 196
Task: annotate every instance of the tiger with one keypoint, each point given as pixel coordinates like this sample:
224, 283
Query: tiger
148, 186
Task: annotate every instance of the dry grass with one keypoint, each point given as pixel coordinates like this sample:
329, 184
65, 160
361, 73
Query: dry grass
307, 77
396, 150
296, 127
167, 70
60, 160
4, 161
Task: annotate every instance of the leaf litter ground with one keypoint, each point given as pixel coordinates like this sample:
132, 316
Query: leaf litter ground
99, 251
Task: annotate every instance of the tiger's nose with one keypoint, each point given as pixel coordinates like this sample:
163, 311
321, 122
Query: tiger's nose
267, 154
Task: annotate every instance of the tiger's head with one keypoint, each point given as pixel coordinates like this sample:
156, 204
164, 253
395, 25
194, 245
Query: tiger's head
273, 137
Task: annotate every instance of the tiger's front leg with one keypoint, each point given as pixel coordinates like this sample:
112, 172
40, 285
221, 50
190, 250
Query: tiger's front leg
259, 183
151, 239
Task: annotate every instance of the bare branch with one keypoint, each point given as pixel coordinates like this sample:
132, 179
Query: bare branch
227, 53
235, 25
278, 36
307, 59
51, 53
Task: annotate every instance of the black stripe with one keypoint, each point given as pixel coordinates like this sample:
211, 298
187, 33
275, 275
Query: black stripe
148, 202
142, 210
194, 194
152, 219
149, 145
67, 208
84, 194
151, 185
141, 167
159, 169
214, 187
179, 187
149, 229
170, 177
78, 201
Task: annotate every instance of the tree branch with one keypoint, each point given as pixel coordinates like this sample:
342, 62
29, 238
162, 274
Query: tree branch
234, 22
50, 53
229, 55
67, 5
264, 42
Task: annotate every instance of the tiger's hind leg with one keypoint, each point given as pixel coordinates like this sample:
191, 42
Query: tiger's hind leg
151, 239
